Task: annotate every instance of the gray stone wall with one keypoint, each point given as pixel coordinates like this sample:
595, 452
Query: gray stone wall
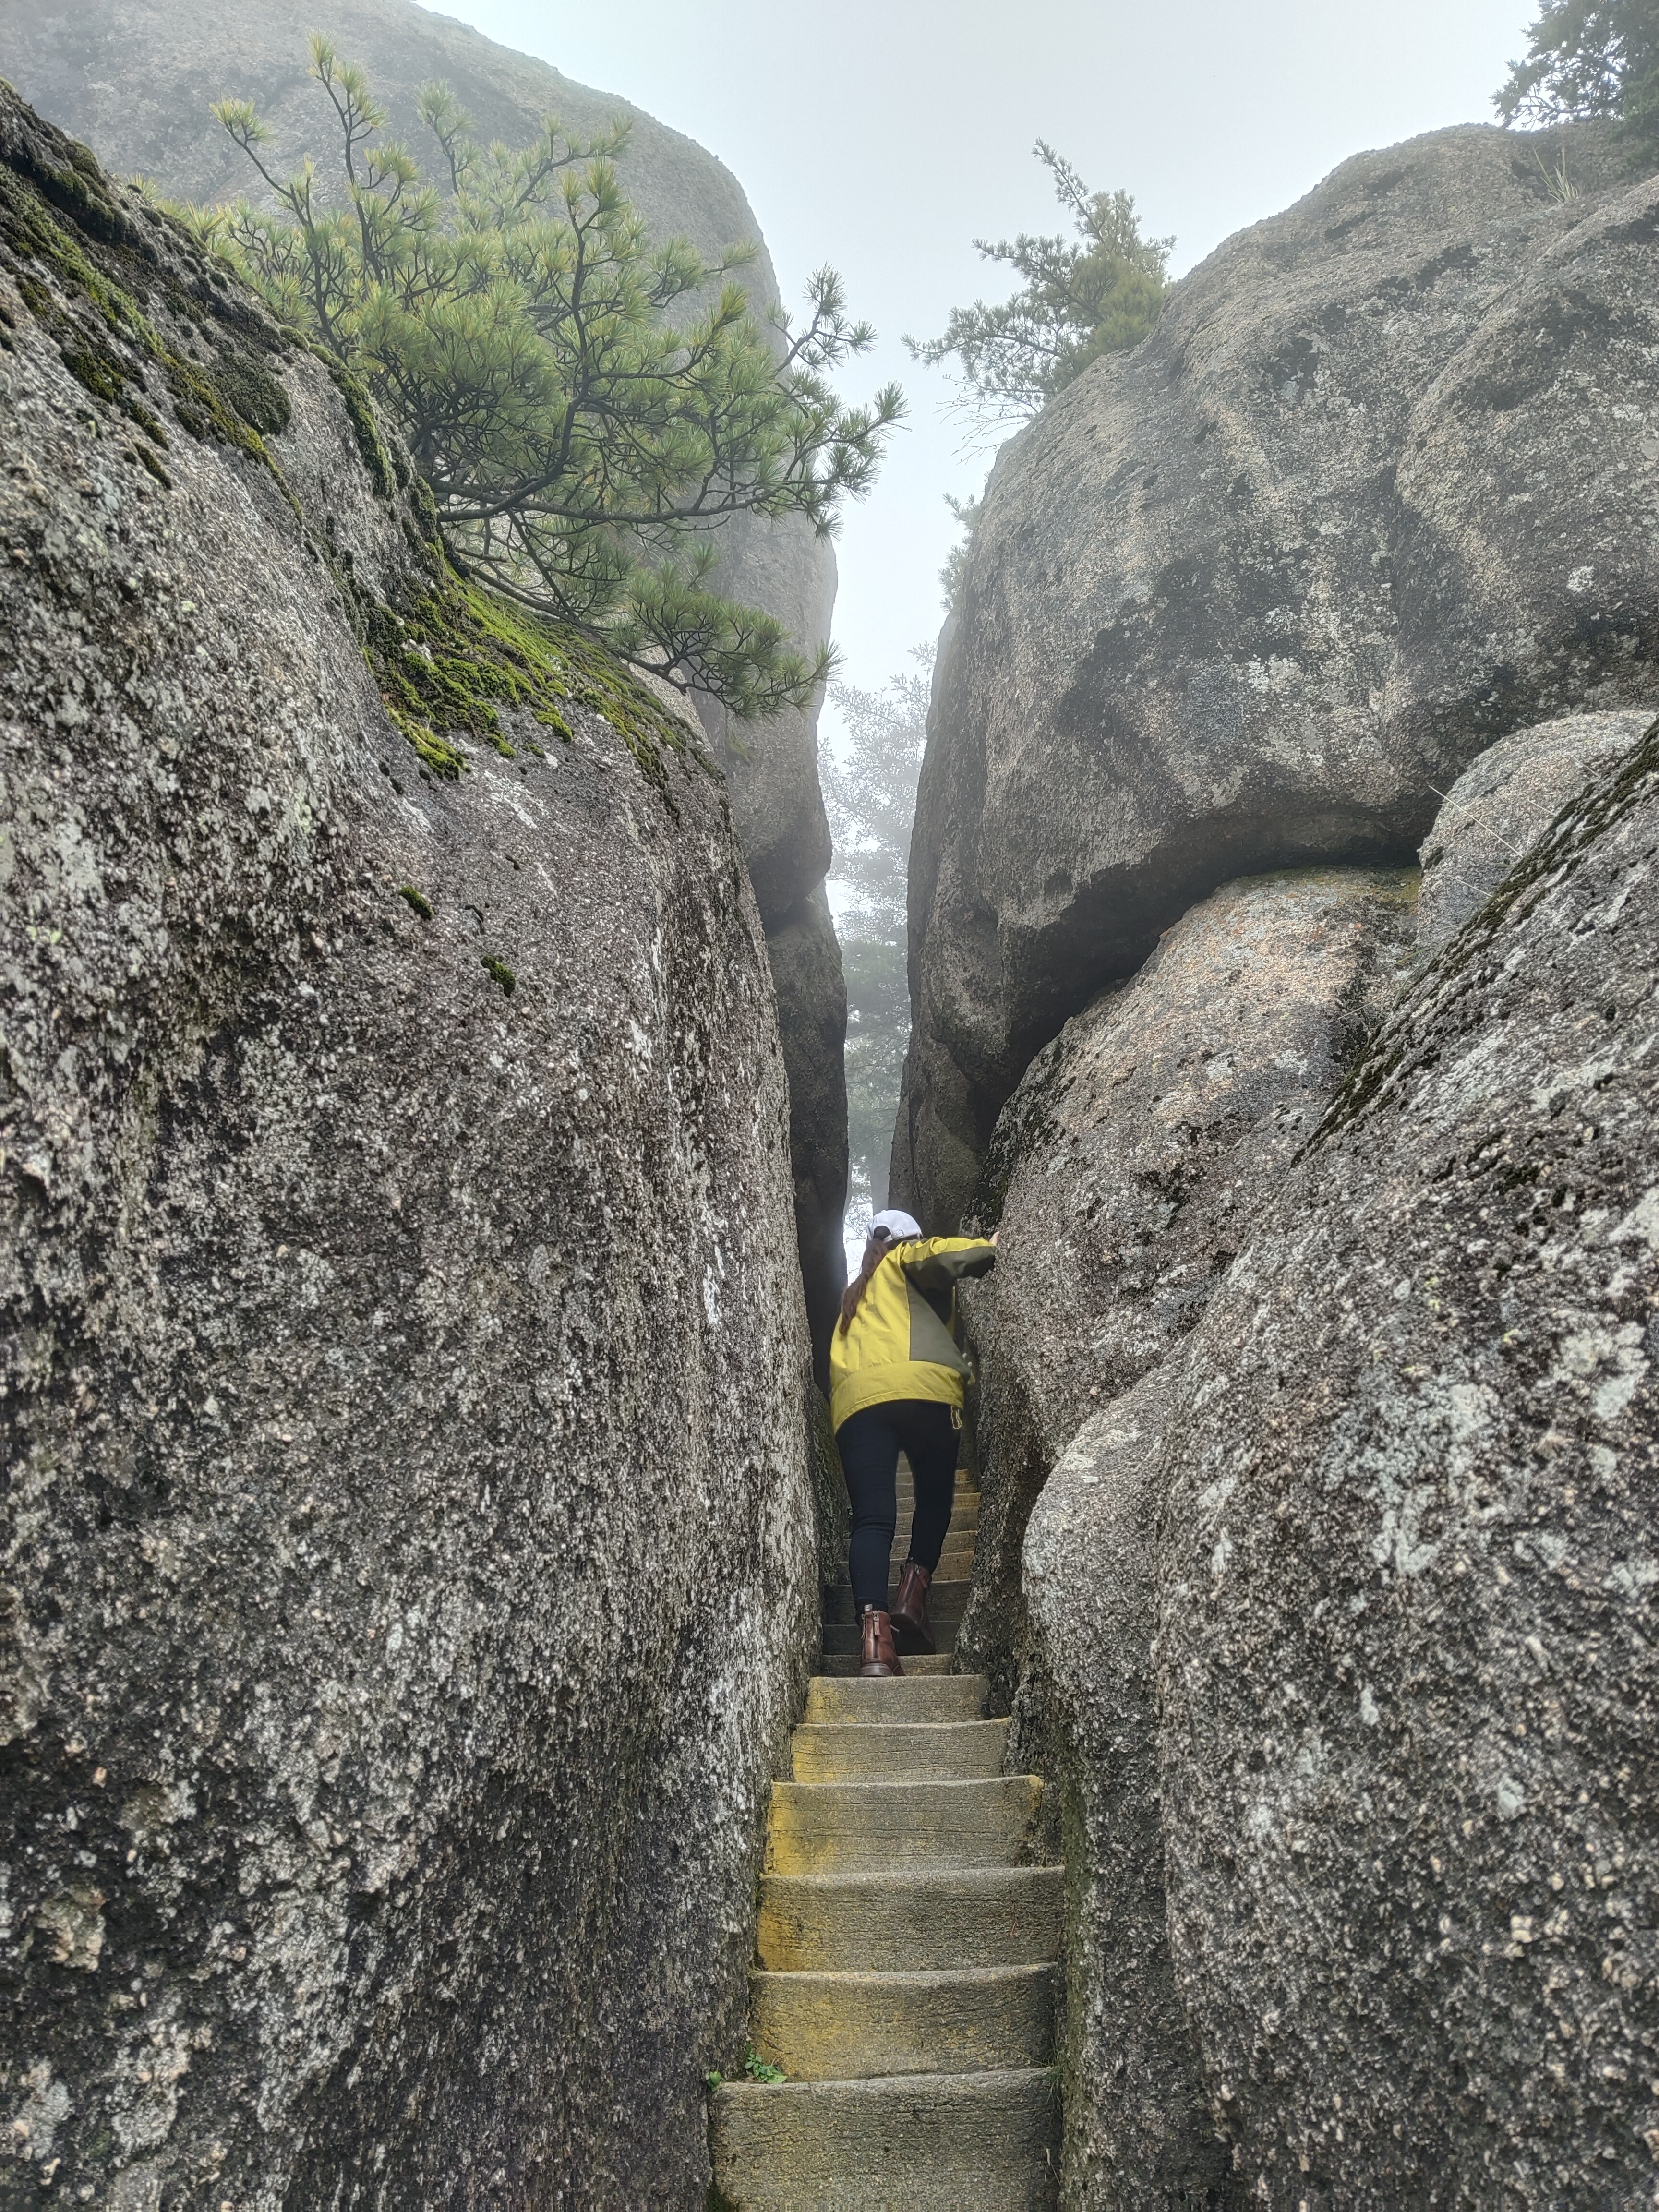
1128, 1168
409, 1568
1377, 490
1331, 1628
135, 79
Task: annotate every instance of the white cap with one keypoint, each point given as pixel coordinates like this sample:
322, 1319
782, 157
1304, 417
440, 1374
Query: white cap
898, 1225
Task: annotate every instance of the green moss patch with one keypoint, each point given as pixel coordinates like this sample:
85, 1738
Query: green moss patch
254, 394
421, 906
450, 657
108, 344
501, 973
365, 430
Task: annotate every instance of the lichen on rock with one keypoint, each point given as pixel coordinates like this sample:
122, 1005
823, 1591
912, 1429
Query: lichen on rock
1405, 1667
1501, 805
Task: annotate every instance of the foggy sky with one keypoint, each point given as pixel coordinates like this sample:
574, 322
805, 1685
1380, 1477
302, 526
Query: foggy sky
881, 134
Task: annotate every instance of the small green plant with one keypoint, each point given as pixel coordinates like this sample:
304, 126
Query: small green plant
1101, 295
421, 907
758, 2070
501, 973
1561, 185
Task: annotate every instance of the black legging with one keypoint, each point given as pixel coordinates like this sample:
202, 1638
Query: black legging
869, 1443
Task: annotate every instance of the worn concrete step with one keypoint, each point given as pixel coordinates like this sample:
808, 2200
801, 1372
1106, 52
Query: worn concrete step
846, 1636
949, 2143
932, 1751
956, 1557
953, 1568
895, 1702
946, 1602
950, 1917
848, 2027
878, 1827
964, 1498
847, 1662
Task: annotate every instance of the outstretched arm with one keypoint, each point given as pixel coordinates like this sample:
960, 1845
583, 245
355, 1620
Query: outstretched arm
951, 1259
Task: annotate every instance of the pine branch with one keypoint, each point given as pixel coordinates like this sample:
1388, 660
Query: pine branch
582, 451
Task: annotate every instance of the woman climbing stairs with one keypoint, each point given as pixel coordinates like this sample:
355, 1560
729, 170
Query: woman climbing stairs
905, 1981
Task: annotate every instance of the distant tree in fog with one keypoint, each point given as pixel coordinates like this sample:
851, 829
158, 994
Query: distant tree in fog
1100, 292
870, 791
1591, 58
966, 512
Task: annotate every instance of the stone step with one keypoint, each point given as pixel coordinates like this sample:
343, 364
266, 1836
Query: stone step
934, 1751
959, 1570
879, 1827
949, 2143
955, 1563
849, 2027
946, 1602
843, 1637
964, 1499
890, 1702
896, 1923
847, 1662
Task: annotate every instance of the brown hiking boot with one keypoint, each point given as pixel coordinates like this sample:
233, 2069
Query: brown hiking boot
880, 1652
910, 1609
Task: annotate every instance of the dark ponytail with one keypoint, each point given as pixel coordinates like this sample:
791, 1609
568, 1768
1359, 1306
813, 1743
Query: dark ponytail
875, 1252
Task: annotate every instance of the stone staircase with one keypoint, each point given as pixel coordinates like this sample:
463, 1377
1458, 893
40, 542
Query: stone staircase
905, 1980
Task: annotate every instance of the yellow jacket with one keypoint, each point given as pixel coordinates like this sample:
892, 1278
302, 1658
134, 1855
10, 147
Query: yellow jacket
905, 1340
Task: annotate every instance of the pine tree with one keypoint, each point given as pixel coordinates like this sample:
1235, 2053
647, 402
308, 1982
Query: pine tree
966, 512
585, 407
870, 791
1100, 294
1590, 58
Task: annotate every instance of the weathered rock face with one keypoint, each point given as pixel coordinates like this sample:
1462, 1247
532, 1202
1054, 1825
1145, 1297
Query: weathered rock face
1406, 1661
1341, 1615
1138, 2124
806, 961
135, 79
1128, 1168
1377, 490
409, 1553
1502, 804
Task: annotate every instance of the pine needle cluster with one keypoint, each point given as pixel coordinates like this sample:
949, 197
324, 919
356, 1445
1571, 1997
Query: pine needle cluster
1097, 293
1591, 59
587, 406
